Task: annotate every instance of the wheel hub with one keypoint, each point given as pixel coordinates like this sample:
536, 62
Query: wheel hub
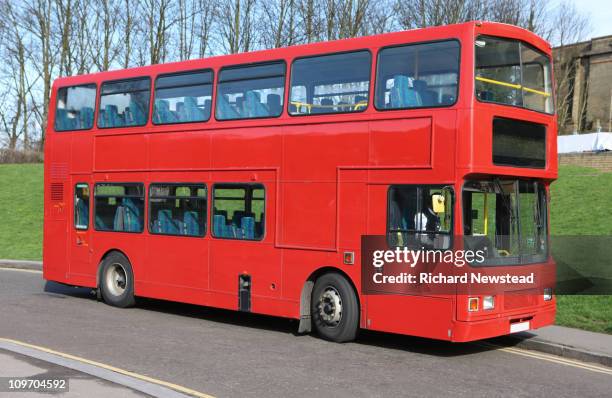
116, 279
330, 306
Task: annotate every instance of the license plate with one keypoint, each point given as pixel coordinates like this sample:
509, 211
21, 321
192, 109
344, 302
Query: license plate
519, 327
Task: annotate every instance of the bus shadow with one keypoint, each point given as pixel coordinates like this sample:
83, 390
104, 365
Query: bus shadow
384, 340
419, 345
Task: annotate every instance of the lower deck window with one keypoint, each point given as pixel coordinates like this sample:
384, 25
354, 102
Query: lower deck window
119, 207
177, 209
420, 216
239, 211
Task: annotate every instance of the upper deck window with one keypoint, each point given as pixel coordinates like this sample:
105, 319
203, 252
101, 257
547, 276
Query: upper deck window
250, 91
124, 103
513, 73
183, 97
75, 108
334, 83
418, 75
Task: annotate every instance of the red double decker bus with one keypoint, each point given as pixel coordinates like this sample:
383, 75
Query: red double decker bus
246, 181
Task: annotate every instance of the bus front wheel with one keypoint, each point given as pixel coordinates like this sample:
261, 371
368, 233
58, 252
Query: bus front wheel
117, 281
334, 308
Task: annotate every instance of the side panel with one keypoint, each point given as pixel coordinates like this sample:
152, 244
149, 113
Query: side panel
230, 258
177, 266
56, 215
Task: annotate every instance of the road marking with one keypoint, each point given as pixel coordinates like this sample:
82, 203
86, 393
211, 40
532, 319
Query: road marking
32, 271
172, 386
550, 358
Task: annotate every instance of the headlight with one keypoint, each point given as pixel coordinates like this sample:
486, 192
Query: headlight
488, 302
473, 304
548, 294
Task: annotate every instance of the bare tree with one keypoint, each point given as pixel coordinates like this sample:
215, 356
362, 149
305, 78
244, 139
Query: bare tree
569, 26
104, 46
209, 10
158, 17
278, 22
309, 19
237, 25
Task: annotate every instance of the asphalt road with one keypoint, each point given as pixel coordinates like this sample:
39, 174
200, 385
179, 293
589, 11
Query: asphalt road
228, 354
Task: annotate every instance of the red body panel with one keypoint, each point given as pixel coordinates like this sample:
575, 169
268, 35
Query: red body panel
326, 179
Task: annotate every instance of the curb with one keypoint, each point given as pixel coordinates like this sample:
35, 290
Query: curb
22, 264
120, 377
529, 342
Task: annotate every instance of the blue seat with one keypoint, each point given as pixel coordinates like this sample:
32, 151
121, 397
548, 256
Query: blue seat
253, 106
100, 224
86, 117
166, 224
247, 225
428, 97
191, 112
63, 122
326, 106
274, 104
137, 115
191, 224
119, 220
402, 95
110, 117
219, 226
232, 231
224, 109
132, 220
162, 113
82, 213
207, 107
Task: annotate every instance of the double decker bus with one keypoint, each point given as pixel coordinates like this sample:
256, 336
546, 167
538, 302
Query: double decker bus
246, 181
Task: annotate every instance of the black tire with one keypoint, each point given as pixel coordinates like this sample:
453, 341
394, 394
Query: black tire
332, 292
117, 281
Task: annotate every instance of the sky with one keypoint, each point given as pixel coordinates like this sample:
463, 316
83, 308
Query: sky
600, 12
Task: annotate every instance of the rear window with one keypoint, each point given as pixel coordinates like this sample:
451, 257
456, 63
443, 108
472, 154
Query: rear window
75, 108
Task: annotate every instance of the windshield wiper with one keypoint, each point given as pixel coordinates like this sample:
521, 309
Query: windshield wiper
505, 199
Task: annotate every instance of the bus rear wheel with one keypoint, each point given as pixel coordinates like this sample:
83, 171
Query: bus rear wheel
117, 281
334, 308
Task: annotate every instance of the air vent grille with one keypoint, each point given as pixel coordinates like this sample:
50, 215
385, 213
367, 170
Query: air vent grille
57, 191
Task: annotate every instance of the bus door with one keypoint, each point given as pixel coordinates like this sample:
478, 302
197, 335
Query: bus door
79, 223
177, 251
417, 217
245, 266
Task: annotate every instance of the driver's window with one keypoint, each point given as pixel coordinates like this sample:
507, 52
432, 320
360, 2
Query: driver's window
420, 216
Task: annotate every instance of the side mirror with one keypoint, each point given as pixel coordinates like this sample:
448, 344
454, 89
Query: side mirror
438, 203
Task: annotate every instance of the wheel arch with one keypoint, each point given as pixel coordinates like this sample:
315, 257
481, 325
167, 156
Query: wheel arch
305, 325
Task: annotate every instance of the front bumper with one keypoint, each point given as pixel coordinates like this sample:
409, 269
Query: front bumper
500, 326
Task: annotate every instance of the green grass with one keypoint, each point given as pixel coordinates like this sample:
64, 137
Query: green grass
580, 205
592, 313
21, 211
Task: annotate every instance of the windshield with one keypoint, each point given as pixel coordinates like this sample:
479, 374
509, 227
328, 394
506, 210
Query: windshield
507, 220
513, 73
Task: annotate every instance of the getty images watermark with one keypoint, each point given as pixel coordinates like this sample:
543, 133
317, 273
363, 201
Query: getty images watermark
422, 270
